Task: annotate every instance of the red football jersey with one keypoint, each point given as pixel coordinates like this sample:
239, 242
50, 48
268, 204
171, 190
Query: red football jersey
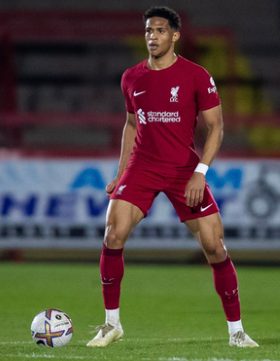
166, 104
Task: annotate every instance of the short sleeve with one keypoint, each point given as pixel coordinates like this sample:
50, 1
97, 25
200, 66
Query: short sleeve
124, 86
206, 91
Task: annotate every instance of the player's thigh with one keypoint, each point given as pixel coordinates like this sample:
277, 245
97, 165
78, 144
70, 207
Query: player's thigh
121, 218
210, 234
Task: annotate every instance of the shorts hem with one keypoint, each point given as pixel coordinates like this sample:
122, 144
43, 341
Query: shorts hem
131, 202
197, 215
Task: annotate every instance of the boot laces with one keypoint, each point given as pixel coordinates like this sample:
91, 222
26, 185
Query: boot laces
239, 337
106, 328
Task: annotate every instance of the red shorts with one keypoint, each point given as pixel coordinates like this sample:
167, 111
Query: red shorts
141, 188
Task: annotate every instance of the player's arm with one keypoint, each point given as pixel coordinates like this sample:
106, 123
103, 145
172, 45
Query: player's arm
128, 142
214, 122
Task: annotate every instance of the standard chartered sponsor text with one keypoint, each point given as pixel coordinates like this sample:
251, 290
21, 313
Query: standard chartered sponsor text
164, 117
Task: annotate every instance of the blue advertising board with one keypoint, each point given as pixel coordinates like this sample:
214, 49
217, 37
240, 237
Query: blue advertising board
63, 203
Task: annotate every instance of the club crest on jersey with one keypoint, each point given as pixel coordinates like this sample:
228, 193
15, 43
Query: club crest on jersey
174, 93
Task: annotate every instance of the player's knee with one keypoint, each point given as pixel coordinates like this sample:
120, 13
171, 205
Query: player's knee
215, 253
113, 239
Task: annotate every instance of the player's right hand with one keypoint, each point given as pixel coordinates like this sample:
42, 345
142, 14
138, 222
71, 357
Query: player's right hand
195, 189
111, 186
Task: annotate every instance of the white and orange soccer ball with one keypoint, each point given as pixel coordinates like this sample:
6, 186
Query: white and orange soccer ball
52, 328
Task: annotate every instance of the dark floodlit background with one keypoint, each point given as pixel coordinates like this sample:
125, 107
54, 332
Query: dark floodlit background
62, 113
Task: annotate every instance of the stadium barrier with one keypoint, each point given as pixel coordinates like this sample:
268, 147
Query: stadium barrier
60, 204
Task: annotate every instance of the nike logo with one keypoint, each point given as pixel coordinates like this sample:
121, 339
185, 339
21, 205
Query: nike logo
136, 94
107, 281
204, 209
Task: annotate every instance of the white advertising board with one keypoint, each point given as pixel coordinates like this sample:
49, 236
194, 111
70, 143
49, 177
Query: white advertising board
62, 204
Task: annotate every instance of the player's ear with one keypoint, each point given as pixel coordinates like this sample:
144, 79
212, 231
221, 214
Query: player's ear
176, 36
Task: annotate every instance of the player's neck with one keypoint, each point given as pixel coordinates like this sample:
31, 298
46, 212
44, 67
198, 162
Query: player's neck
162, 62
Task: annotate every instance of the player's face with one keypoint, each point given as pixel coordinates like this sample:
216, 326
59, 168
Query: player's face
159, 36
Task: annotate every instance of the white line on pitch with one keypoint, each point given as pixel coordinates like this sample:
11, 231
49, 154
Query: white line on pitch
129, 340
15, 342
186, 339
59, 357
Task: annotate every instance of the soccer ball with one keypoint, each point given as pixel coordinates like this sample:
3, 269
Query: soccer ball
52, 328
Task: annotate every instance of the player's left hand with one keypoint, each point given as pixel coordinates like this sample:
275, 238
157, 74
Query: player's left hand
111, 186
195, 189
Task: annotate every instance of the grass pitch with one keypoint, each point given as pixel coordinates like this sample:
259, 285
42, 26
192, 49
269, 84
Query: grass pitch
169, 313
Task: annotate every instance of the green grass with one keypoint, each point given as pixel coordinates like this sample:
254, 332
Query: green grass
168, 313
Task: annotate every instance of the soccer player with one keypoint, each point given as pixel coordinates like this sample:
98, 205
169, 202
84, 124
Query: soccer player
163, 96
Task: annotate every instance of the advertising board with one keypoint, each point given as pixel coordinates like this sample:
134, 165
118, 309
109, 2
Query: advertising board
62, 204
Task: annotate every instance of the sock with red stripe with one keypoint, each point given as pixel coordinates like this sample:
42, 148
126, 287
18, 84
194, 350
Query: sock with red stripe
226, 285
112, 271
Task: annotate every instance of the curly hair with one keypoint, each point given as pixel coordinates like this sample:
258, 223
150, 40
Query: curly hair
165, 12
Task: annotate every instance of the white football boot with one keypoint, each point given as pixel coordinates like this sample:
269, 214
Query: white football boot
107, 333
241, 339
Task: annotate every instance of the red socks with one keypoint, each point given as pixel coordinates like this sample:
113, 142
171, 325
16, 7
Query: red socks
111, 270
225, 281
226, 285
